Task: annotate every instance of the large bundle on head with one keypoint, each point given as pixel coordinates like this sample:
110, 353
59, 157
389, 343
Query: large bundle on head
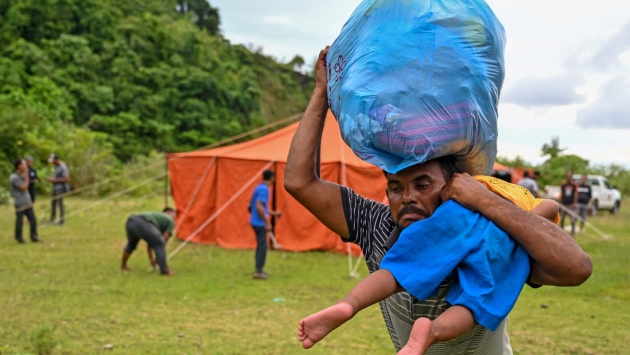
413, 80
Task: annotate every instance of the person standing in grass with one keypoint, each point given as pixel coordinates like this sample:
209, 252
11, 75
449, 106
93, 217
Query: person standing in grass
260, 220
584, 200
32, 178
19, 182
60, 186
154, 228
568, 199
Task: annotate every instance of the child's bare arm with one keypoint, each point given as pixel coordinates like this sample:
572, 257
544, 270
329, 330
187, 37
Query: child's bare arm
374, 288
547, 209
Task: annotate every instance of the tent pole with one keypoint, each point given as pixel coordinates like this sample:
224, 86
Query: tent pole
165, 180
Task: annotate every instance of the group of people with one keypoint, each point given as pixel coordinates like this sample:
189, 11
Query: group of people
576, 200
23, 189
448, 255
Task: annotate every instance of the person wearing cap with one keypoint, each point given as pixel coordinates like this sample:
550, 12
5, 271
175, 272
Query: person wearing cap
59, 180
260, 221
22, 201
32, 178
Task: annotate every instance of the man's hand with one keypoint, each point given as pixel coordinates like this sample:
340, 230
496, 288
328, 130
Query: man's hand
153, 262
467, 191
321, 78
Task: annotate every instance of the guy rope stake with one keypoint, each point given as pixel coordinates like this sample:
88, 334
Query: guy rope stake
274, 242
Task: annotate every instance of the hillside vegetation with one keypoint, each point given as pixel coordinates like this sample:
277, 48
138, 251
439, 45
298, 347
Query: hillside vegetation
116, 80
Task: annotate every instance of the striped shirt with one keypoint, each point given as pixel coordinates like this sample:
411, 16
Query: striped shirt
370, 226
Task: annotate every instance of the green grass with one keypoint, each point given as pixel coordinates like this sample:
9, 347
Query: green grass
69, 296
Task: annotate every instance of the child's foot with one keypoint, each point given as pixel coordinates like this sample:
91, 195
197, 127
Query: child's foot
316, 326
419, 339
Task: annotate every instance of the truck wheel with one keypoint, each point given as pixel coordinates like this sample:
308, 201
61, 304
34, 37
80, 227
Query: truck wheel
615, 208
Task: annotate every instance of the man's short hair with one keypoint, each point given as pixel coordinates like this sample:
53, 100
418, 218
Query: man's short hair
168, 209
449, 166
267, 174
28, 158
17, 162
53, 157
526, 174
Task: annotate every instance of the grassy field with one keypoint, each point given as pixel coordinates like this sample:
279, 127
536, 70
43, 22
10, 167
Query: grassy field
68, 296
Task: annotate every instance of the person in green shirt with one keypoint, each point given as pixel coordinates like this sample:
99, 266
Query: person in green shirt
154, 228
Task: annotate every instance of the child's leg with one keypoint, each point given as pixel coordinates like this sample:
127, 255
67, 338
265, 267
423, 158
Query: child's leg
451, 324
374, 288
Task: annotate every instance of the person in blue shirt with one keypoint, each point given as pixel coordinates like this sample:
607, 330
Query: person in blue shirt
260, 220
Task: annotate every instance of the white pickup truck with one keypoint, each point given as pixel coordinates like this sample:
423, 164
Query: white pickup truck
605, 196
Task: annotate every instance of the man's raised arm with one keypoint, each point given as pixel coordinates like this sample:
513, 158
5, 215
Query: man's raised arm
557, 259
301, 179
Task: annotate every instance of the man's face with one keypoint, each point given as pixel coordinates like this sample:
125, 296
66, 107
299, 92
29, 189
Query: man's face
584, 179
22, 167
29, 163
414, 193
569, 176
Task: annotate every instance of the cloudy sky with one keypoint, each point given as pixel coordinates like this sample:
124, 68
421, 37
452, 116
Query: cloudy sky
567, 66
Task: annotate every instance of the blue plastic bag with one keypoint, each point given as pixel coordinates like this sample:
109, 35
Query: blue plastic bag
409, 81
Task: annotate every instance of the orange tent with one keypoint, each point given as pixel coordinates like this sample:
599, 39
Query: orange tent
212, 189
514, 174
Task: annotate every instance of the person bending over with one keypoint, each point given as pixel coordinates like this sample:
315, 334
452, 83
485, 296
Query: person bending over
154, 228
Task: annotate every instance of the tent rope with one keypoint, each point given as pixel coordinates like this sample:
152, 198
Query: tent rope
108, 198
587, 223
150, 166
221, 209
256, 130
354, 273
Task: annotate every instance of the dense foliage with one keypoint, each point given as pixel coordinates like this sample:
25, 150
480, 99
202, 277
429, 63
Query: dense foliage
104, 81
553, 169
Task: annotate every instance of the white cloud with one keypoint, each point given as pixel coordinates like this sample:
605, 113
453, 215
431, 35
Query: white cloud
603, 54
279, 20
545, 92
611, 109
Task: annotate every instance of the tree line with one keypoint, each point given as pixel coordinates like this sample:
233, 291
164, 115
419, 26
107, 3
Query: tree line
553, 169
103, 82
